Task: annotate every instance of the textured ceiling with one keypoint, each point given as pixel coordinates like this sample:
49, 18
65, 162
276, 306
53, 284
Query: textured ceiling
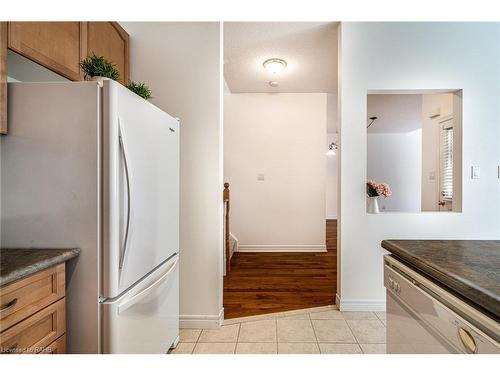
397, 113
309, 48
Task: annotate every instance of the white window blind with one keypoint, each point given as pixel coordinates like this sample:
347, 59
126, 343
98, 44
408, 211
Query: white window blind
446, 163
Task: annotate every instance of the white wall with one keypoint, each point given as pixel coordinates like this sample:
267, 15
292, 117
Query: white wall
283, 137
396, 159
181, 64
331, 161
331, 178
414, 56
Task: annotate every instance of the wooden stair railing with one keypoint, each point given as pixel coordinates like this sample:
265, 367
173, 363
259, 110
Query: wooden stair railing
226, 225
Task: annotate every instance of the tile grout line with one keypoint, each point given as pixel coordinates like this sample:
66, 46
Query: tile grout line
384, 322
355, 338
197, 340
315, 336
237, 338
276, 332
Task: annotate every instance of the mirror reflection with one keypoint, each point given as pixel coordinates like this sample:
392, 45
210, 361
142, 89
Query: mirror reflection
414, 151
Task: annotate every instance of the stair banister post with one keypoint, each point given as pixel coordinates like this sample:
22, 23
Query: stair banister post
226, 224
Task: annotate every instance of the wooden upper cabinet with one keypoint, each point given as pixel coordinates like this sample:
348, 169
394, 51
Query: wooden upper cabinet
108, 39
59, 46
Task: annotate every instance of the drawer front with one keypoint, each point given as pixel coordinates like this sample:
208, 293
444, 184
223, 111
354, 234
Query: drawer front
31, 294
57, 347
35, 333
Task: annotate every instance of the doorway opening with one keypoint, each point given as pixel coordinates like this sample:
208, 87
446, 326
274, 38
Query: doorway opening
280, 156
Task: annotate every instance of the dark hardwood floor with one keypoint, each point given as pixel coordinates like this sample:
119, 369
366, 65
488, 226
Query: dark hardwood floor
261, 283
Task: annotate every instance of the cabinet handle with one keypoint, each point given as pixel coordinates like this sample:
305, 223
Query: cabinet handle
467, 340
8, 306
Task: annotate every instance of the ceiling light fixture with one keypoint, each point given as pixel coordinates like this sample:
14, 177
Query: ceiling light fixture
273, 83
274, 65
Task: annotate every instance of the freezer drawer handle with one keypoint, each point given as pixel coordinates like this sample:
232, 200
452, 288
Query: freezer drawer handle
133, 300
127, 226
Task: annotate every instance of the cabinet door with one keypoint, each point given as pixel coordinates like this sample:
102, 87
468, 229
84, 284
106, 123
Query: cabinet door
57, 347
25, 297
59, 46
108, 39
35, 333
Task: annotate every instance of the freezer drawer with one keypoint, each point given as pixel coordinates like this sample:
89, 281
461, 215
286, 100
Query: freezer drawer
145, 319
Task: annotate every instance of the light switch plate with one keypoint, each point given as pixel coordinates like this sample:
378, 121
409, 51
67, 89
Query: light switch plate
475, 172
260, 177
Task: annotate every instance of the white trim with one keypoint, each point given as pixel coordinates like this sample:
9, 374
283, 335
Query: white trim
331, 218
360, 304
201, 321
174, 344
278, 315
221, 316
222, 265
281, 248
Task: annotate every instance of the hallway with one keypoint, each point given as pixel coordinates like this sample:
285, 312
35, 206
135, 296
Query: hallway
262, 283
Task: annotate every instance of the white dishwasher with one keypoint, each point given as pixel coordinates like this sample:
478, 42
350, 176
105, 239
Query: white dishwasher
423, 317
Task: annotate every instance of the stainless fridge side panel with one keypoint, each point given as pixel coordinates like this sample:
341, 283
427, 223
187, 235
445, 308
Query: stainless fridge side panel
50, 170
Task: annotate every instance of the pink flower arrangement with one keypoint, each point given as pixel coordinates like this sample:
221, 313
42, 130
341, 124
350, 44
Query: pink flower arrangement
374, 189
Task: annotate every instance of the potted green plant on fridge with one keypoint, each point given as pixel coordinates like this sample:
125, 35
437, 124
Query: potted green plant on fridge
98, 68
140, 89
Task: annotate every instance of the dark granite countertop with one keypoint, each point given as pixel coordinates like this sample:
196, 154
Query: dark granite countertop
18, 263
468, 268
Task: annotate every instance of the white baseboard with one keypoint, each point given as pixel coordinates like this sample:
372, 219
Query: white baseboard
202, 321
359, 304
281, 248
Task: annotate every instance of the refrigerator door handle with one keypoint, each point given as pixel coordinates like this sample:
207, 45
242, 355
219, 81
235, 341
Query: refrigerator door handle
131, 301
127, 177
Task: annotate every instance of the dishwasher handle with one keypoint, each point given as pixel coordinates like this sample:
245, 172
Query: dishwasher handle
467, 340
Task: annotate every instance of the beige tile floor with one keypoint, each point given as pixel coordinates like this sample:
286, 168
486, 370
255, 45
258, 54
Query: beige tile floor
312, 331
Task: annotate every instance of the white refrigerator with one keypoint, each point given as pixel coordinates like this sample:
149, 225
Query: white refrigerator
98, 168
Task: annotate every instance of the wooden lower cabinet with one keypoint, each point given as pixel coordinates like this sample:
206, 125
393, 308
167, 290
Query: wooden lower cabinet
33, 312
57, 347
